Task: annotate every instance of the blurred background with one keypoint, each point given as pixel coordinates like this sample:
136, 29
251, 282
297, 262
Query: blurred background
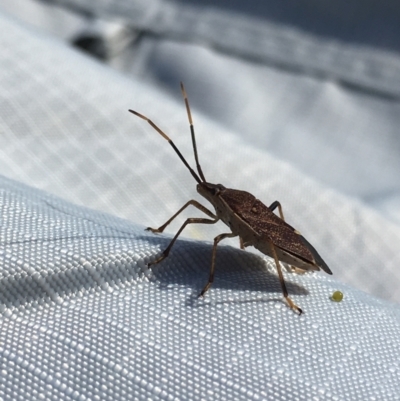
296, 101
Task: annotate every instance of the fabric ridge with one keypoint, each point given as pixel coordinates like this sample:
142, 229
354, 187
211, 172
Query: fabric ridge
81, 317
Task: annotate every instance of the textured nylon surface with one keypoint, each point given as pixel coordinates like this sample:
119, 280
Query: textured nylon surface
296, 103
82, 319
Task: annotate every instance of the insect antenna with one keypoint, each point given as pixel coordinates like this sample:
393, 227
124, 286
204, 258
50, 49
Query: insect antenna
165, 136
192, 133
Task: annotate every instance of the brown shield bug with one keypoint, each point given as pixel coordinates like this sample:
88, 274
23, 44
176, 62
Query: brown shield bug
247, 217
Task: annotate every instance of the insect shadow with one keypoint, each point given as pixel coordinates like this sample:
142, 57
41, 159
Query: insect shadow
67, 278
188, 265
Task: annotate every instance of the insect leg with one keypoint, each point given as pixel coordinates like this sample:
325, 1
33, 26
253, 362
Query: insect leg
272, 207
191, 202
275, 205
282, 281
192, 220
241, 243
217, 239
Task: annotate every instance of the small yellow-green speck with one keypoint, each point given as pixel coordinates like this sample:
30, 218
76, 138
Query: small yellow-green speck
337, 296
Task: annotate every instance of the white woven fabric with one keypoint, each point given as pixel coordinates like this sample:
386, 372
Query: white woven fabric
66, 129
81, 318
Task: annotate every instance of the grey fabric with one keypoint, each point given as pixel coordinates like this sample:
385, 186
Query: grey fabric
82, 318
282, 112
328, 153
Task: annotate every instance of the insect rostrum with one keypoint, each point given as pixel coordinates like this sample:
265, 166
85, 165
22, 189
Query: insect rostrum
247, 217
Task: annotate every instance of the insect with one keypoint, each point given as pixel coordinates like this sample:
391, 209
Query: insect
247, 217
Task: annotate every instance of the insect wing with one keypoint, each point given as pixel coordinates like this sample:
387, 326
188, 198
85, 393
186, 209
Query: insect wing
265, 223
281, 234
318, 260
